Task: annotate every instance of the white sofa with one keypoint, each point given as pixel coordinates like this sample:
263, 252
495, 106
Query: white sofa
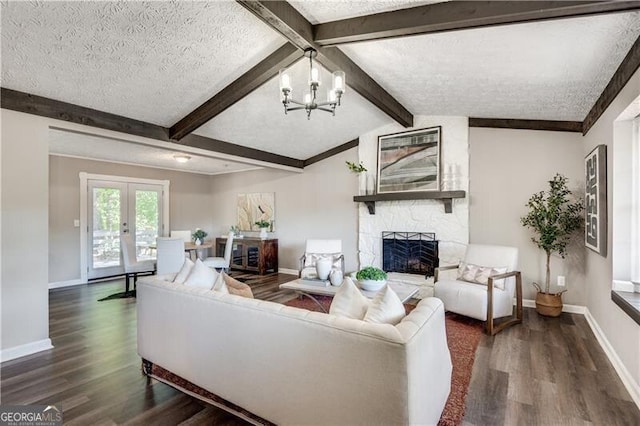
292, 366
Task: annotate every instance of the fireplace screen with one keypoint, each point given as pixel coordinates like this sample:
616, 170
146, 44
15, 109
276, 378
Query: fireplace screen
410, 252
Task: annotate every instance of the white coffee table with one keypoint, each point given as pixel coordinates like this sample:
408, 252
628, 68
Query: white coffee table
404, 291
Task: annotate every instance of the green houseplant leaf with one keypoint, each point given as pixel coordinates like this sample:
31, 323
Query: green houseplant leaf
371, 273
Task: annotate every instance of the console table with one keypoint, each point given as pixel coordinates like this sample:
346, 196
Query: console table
251, 254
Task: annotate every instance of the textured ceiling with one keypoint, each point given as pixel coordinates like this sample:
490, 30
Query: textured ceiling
151, 61
157, 61
258, 121
317, 11
106, 149
553, 70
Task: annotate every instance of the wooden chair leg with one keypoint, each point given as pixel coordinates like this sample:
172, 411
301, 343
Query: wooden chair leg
517, 319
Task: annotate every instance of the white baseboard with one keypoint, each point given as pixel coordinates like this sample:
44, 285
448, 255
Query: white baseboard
288, 271
623, 373
572, 309
24, 350
69, 283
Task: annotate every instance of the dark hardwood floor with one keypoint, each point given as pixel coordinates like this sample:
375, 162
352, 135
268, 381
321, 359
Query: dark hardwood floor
544, 372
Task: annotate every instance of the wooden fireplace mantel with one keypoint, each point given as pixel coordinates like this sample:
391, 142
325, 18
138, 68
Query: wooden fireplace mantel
446, 197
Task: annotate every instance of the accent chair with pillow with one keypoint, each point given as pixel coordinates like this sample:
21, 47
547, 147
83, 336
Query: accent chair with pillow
487, 280
320, 249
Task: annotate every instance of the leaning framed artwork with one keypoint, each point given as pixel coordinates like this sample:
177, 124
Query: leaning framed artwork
409, 161
595, 197
253, 207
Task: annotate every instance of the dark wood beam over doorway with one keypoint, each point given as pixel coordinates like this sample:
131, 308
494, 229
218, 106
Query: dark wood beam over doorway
268, 68
457, 15
285, 19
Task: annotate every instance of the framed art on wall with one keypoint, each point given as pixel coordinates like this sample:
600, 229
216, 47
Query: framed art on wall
595, 198
409, 161
254, 207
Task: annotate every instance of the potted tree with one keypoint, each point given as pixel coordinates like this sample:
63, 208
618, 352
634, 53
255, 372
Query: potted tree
554, 217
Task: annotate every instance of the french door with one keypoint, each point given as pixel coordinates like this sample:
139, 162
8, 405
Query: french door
115, 208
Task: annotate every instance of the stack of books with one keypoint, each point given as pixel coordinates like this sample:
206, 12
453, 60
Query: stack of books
315, 281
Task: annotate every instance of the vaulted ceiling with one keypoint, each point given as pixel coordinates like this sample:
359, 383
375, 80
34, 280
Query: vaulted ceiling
204, 73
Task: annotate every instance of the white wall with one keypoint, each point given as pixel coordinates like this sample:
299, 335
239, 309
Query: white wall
621, 331
315, 204
452, 230
189, 195
24, 181
507, 167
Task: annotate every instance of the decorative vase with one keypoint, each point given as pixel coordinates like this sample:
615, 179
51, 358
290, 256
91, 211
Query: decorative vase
323, 268
335, 277
549, 305
198, 242
362, 183
371, 184
263, 233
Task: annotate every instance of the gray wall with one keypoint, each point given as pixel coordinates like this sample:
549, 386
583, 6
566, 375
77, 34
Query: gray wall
507, 167
24, 184
315, 204
190, 198
621, 331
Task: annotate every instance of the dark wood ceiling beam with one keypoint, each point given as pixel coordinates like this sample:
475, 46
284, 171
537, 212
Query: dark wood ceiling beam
45, 107
457, 15
331, 152
268, 68
629, 65
509, 123
285, 19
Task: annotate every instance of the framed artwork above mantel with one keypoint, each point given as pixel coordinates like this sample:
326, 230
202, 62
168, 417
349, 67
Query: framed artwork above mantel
409, 161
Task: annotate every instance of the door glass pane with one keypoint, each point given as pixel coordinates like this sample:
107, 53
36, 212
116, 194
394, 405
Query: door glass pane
106, 227
147, 204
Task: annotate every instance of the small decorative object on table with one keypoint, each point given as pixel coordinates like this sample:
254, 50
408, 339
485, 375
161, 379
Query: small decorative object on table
323, 267
198, 236
263, 225
371, 278
335, 276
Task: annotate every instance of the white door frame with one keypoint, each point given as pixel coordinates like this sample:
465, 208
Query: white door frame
84, 230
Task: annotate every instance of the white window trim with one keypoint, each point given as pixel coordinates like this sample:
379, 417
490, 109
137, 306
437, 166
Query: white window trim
84, 231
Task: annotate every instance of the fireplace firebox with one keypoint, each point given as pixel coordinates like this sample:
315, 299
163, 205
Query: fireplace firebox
410, 252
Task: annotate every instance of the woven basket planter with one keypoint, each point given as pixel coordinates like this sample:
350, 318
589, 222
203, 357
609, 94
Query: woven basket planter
549, 305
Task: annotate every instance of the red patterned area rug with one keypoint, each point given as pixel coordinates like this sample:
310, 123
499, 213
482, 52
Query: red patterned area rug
463, 337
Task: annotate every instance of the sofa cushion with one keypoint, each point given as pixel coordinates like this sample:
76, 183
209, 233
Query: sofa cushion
349, 301
184, 272
237, 287
201, 276
480, 274
385, 308
220, 285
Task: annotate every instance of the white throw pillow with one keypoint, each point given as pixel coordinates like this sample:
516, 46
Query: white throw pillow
181, 277
220, 285
349, 302
385, 308
201, 276
480, 274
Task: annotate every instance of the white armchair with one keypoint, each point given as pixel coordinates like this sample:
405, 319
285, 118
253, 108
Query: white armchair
486, 283
316, 249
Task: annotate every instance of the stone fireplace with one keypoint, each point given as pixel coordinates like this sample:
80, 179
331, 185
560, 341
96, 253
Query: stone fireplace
419, 216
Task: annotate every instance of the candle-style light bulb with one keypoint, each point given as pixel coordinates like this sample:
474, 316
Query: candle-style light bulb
339, 82
285, 80
315, 75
